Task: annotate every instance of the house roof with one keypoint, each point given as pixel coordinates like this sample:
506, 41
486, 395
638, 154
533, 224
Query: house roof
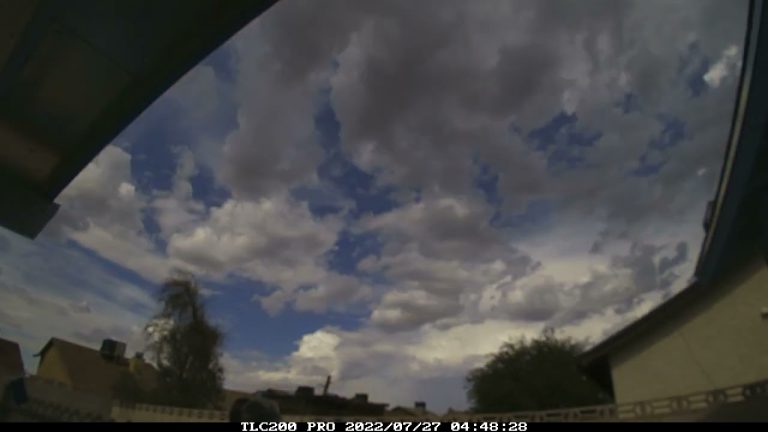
73, 74
11, 364
88, 370
733, 216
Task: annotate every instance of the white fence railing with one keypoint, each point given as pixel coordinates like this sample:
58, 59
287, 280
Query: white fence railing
50, 405
159, 413
664, 408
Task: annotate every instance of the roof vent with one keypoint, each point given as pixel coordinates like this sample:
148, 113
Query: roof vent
305, 391
112, 349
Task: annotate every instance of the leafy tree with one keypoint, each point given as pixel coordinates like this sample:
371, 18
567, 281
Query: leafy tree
533, 375
127, 389
186, 347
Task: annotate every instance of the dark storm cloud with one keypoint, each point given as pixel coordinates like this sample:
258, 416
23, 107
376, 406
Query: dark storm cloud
540, 303
424, 91
421, 87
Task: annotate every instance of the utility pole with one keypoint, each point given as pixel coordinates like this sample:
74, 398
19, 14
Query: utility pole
327, 384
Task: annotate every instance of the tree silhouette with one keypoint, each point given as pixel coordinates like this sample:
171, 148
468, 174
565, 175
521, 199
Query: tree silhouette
539, 374
186, 347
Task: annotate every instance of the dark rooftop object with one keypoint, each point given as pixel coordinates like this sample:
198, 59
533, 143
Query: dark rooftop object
736, 224
75, 73
112, 349
305, 402
305, 391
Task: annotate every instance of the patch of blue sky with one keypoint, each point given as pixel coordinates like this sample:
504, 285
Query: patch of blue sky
206, 189
222, 60
647, 168
673, 132
549, 134
353, 183
82, 281
695, 79
564, 142
652, 161
629, 103
322, 200
152, 228
487, 181
350, 248
692, 65
153, 161
248, 327
157, 136
166, 126
538, 212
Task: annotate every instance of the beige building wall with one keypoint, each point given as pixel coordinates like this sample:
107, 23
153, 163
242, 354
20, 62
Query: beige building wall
52, 367
717, 342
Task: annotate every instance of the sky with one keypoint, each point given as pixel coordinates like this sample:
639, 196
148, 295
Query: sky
386, 192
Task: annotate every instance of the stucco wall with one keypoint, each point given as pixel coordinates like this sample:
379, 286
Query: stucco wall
52, 367
718, 342
158, 413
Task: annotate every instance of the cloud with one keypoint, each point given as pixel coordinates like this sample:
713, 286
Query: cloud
177, 209
626, 280
398, 368
423, 128
426, 128
446, 228
103, 193
198, 94
252, 233
102, 210
727, 64
681, 255
437, 253
412, 308
274, 146
393, 368
539, 301
81, 307
328, 292
276, 241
